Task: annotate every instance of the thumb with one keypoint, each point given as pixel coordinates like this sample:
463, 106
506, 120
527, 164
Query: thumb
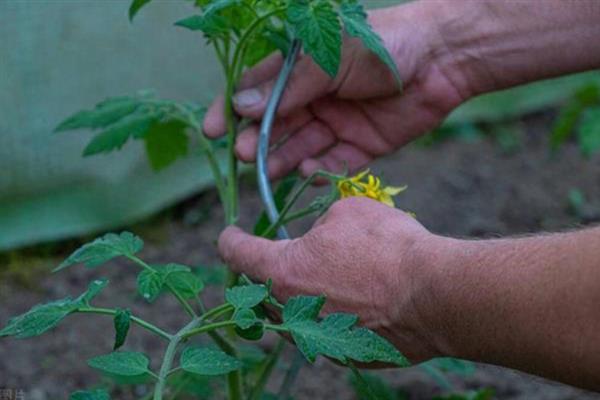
252, 255
307, 83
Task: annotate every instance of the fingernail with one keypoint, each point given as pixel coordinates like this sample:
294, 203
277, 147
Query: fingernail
247, 98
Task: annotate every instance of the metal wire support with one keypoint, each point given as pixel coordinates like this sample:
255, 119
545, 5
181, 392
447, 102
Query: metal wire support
264, 185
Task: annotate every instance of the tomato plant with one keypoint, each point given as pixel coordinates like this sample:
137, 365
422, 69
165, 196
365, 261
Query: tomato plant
242, 33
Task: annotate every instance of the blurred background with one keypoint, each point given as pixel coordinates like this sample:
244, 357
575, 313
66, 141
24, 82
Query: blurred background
519, 161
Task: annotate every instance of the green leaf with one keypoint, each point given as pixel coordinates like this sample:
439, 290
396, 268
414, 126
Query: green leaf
355, 22
98, 394
136, 5
198, 386
165, 143
280, 196
302, 308
246, 296
123, 363
207, 361
122, 321
245, 318
335, 336
116, 135
564, 124
481, 394
185, 283
104, 249
104, 114
39, 319
368, 386
94, 288
211, 23
588, 133
317, 24
150, 284
584, 97
43, 317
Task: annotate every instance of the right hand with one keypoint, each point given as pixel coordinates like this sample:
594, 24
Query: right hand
358, 116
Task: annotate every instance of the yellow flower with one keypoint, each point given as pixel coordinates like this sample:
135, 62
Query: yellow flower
366, 185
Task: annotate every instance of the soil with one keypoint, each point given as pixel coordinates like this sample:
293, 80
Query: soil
467, 188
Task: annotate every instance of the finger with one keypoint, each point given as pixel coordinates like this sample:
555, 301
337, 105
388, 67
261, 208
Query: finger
265, 70
214, 120
247, 139
307, 82
245, 253
309, 141
336, 160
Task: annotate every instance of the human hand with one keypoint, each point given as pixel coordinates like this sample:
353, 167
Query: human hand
356, 117
365, 257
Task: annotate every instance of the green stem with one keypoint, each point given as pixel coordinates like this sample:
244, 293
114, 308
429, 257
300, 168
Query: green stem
207, 150
276, 328
169, 356
295, 196
144, 324
216, 312
208, 328
267, 368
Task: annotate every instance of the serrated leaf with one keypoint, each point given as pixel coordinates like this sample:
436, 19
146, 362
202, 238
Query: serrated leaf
588, 133
150, 284
122, 321
335, 335
207, 361
355, 22
43, 317
103, 249
301, 308
94, 288
280, 196
245, 318
135, 7
98, 394
39, 319
104, 114
317, 24
165, 143
117, 134
185, 283
246, 296
123, 363
210, 22
211, 27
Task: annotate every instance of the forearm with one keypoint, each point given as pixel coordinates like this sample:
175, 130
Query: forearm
486, 45
532, 304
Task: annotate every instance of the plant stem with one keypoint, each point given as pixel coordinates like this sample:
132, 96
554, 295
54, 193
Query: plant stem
216, 312
290, 376
208, 328
295, 196
169, 356
232, 184
144, 324
276, 328
267, 369
207, 150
